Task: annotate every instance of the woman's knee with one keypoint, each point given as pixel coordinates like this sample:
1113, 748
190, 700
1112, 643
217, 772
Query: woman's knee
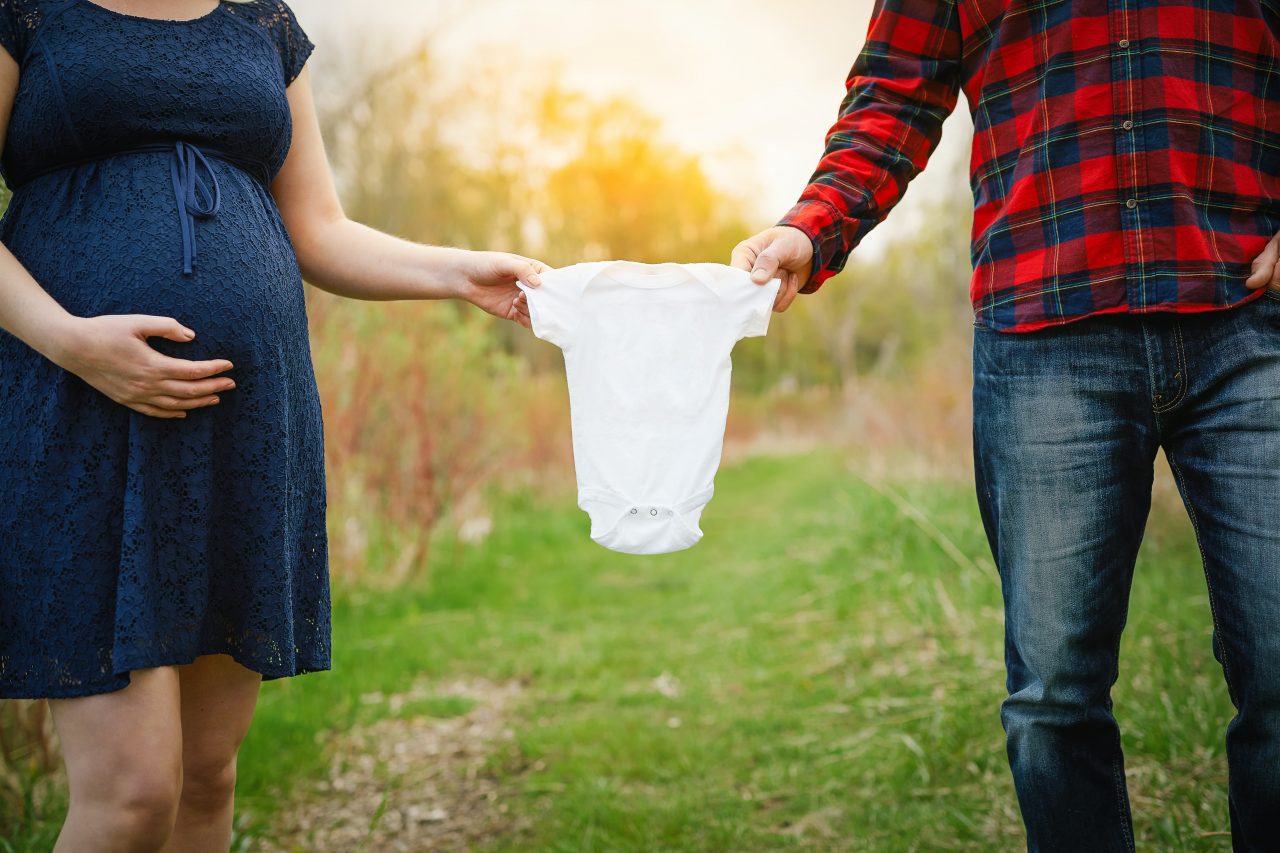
137, 808
208, 782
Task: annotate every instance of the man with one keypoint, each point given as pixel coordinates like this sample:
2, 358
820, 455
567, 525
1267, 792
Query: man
1126, 176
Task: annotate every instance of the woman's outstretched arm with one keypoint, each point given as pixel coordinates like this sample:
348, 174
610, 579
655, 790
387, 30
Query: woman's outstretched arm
350, 259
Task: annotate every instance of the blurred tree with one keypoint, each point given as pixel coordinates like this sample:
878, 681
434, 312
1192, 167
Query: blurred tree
883, 316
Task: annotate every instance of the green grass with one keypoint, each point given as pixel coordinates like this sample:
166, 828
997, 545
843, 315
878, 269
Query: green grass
836, 654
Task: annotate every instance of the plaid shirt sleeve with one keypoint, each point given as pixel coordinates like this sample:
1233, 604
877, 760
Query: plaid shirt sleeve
902, 87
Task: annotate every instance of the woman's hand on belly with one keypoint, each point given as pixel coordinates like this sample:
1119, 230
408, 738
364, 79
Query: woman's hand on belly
111, 353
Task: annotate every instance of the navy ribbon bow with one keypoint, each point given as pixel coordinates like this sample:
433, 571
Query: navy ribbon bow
195, 186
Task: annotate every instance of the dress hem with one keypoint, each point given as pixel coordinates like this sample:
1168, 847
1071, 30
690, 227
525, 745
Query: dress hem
121, 680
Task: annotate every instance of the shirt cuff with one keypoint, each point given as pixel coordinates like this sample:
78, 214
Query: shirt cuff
825, 227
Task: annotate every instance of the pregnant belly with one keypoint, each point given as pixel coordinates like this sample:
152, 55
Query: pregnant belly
106, 239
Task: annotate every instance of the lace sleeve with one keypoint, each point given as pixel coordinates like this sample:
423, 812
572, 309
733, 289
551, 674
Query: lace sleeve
280, 26
16, 23
295, 47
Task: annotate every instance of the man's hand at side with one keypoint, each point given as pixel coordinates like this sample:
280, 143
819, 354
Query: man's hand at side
779, 252
1266, 267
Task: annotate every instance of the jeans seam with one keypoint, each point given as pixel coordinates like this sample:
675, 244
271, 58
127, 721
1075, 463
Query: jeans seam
1204, 563
1117, 766
1182, 372
1122, 799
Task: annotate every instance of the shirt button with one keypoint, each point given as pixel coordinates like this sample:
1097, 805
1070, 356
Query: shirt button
1124, 42
1131, 203
653, 512
634, 510
1128, 125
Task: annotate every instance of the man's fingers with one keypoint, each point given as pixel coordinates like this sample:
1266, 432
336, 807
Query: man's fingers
781, 294
1264, 266
177, 368
162, 327
765, 267
744, 256
786, 292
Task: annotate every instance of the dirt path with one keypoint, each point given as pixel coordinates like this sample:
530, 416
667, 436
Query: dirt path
409, 785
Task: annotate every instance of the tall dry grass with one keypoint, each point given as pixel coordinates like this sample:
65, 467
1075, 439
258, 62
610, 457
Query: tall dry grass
424, 409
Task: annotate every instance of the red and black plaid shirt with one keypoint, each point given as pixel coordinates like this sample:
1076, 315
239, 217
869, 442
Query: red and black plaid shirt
1126, 153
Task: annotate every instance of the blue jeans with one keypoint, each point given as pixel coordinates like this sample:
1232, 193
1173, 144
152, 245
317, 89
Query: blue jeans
1067, 422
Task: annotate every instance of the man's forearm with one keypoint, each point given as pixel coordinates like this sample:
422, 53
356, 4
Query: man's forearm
902, 87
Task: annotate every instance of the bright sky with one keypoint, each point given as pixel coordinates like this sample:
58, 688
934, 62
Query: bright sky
755, 76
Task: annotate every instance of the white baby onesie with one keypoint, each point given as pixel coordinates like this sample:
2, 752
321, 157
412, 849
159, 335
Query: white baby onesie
646, 351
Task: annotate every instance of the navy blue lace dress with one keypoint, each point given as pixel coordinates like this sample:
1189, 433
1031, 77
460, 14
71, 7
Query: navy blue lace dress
139, 154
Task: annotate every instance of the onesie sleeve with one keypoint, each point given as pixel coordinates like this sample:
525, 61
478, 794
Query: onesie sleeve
760, 309
749, 305
554, 307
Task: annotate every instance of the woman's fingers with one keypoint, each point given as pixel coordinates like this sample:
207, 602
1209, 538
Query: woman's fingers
113, 354
156, 411
185, 390
527, 271
180, 386
178, 368
523, 269
190, 371
161, 327
182, 404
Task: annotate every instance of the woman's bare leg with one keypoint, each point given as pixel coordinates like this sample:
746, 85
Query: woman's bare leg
218, 699
123, 752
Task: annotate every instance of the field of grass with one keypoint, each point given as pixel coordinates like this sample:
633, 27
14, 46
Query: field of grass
822, 672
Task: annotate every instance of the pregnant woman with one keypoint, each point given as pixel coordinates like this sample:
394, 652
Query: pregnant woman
162, 529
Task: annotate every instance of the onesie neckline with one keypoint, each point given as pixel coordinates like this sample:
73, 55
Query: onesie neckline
648, 276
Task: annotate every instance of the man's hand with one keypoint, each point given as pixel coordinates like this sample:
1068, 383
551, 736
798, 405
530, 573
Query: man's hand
779, 252
1266, 267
